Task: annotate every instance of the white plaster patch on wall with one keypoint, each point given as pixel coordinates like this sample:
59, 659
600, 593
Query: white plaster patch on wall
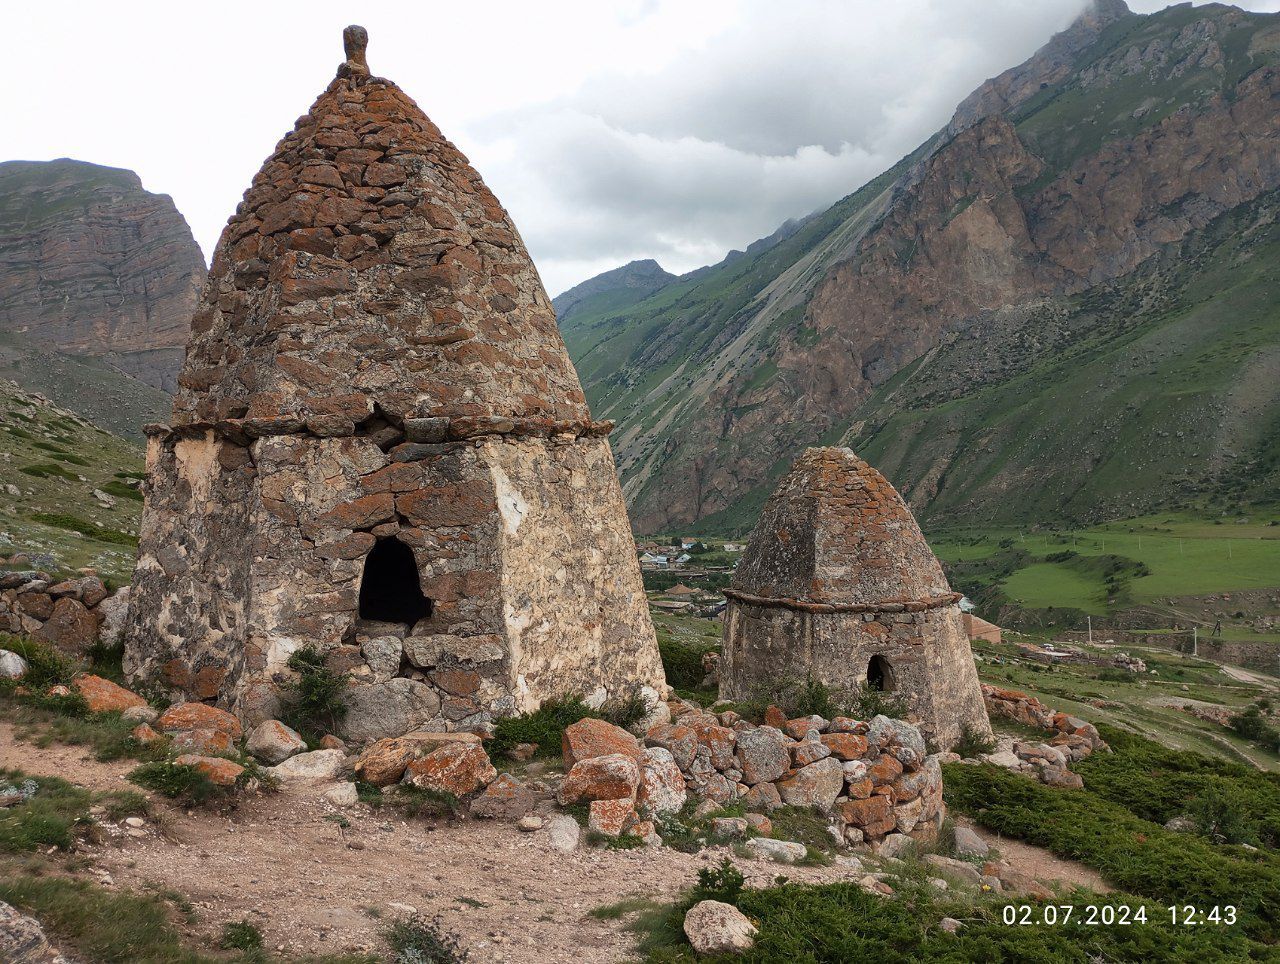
197, 461
280, 649
511, 504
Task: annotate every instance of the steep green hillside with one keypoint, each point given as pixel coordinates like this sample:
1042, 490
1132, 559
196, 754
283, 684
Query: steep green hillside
1159, 390
70, 490
1064, 219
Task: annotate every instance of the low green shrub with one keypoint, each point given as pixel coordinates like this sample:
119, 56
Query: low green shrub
45, 665
312, 703
176, 780
972, 743
1132, 853
1234, 801
417, 940
841, 922
682, 661
61, 520
240, 936
544, 726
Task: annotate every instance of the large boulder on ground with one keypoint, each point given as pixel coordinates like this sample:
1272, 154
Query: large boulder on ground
384, 763
714, 927
680, 740
220, 771
719, 740
204, 741
563, 833
662, 787
816, 785
197, 716
614, 776
591, 738
969, 844
103, 696
456, 768
318, 766
393, 708
70, 627
762, 754
506, 798
783, 851
272, 742
611, 817
12, 666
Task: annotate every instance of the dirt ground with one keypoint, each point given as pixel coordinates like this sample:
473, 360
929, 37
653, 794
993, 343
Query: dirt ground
284, 862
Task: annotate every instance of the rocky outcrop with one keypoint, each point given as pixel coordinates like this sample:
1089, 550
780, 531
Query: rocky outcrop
92, 264
69, 615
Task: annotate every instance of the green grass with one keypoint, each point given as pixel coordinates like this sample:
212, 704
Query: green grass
841, 922
63, 520
1133, 854
57, 814
107, 926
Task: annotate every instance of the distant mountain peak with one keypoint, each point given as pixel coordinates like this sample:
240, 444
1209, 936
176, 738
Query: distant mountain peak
640, 278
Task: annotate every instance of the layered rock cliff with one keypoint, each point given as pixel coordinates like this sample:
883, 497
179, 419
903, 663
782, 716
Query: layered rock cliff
1112, 146
92, 264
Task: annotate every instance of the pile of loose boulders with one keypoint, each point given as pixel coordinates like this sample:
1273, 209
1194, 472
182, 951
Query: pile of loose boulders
69, 614
874, 781
1050, 762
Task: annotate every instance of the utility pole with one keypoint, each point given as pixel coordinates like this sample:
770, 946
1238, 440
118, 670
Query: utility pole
1195, 640
1089, 620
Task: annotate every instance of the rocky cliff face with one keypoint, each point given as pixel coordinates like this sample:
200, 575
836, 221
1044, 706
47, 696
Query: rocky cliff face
1118, 140
92, 264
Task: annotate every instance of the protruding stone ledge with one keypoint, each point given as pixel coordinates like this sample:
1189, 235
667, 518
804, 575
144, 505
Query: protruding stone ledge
418, 431
887, 606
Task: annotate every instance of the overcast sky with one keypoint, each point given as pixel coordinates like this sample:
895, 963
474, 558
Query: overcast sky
611, 129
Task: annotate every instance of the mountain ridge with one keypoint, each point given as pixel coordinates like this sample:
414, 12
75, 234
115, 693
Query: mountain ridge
1121, 137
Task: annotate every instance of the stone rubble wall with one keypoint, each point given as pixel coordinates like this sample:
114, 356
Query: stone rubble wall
1049, 762
927, 650
70, 614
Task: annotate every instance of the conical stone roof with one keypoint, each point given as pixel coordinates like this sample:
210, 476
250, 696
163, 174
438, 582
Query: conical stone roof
369, 271
835, 532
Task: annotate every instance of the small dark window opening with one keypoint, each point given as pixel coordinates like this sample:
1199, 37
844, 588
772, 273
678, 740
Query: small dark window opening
389, 590
879, 674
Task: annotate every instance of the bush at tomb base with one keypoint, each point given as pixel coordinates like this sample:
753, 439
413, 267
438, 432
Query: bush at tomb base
312, 703
810, 697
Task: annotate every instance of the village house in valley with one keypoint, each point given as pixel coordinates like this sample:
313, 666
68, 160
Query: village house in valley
838, 582
380, 448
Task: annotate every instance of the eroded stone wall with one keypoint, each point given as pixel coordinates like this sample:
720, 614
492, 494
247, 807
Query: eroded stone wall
927, 652
252, 551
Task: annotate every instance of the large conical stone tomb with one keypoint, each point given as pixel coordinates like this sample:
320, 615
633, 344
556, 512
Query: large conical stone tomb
380, 449
838, 583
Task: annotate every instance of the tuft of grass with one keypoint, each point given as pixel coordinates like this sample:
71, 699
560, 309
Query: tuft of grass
241, 936
53, 816
973, 743
45, 665
544, 726
61, 520
101, 925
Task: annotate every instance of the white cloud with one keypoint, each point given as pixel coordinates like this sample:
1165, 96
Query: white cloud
611, 130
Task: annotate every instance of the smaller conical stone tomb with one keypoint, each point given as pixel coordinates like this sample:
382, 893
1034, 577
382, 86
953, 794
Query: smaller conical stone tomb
380, 449
837, 582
